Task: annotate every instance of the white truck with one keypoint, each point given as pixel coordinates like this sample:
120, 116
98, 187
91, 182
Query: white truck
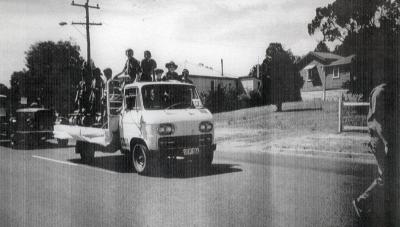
149, 122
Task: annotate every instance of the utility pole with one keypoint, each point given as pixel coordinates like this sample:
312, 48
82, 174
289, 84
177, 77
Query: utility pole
87, 24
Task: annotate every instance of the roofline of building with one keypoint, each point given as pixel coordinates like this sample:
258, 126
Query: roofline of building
214, 77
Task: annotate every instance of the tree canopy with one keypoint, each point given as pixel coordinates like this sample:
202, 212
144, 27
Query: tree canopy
367, 28
53, 70
280, 79
321, 47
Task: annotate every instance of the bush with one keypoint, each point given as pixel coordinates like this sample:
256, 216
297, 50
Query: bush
221, 100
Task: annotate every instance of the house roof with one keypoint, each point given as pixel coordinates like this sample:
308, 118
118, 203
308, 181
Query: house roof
324, 57
343, 61
248, 77
202, 70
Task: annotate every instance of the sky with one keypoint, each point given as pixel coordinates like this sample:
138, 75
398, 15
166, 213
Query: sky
194, 31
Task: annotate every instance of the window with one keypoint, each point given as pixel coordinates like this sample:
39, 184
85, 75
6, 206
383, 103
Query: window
336, 73
164, 96
131, 98
308, 75
212, 85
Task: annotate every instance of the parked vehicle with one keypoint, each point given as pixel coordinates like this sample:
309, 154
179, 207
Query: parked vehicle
4, 119
31, 126
149, 122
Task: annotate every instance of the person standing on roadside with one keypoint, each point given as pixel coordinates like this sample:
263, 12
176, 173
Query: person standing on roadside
382, 129
148, 66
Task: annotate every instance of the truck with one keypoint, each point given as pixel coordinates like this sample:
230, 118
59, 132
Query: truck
149, 122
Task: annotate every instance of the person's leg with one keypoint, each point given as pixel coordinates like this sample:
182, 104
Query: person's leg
364, 201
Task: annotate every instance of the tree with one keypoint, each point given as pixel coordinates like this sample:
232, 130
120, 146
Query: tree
253, 71
54, 70
369, 29
4, 90
281, 81
321, 47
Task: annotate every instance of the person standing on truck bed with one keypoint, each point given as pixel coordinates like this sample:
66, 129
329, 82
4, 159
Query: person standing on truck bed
148, 66
132, 66
171, 74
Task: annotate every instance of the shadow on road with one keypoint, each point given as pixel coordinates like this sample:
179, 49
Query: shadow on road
42, 145
171, 169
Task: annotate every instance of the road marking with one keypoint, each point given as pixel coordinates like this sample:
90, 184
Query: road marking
54, 160
73, 164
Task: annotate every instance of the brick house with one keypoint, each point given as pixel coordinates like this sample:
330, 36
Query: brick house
319, 70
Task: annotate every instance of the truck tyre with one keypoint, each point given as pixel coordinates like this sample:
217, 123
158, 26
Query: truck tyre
86, 150
141, 159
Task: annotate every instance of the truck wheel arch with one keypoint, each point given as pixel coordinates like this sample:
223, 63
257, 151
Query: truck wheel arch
135, 141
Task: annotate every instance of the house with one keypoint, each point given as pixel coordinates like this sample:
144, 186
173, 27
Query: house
206, 78
249, 83
324, 71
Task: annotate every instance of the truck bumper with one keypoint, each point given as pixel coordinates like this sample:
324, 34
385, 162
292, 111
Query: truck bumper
178, 152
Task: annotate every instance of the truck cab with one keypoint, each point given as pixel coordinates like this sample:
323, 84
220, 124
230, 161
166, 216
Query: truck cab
149, 122
160, 120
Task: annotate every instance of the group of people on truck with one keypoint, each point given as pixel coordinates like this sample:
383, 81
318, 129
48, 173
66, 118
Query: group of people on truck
91, 95
147, 70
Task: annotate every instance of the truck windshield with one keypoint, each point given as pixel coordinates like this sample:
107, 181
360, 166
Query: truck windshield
167, 96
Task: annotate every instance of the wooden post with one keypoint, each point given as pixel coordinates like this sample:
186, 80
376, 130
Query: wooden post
340, 113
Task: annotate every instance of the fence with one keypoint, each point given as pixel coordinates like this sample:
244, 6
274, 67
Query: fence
342, 127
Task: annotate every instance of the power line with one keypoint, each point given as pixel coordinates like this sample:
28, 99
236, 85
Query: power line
87, 24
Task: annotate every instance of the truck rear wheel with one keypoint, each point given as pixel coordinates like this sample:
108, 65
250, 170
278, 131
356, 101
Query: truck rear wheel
142, 161
86, 150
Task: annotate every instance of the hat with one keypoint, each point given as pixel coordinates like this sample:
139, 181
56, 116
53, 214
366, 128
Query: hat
171, 64
158, 71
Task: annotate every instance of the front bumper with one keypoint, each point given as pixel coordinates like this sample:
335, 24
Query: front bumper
174, 146
29, 135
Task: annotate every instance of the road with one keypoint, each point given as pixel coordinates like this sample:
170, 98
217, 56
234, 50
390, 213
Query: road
51, 187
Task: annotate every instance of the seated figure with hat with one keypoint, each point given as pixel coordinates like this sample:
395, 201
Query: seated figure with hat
171, 74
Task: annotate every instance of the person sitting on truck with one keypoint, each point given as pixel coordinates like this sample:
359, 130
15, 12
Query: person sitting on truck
148, 65
171, 74
158, 76
185, 77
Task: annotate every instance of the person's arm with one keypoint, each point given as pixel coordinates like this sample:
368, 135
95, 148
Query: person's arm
378, 112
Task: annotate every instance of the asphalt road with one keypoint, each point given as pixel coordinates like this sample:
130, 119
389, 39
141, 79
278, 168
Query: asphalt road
51, 187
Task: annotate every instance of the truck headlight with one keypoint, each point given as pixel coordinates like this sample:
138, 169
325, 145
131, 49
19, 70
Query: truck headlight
205, 126
166, 129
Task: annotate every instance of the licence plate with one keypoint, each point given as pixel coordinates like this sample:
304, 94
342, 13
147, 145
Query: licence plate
191, 151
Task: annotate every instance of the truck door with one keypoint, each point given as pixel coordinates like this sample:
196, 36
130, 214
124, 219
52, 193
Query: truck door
130, 117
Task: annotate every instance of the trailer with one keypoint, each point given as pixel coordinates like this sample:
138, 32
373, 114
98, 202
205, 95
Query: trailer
149, 122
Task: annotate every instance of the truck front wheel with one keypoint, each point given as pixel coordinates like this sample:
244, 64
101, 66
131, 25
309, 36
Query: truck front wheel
142, 161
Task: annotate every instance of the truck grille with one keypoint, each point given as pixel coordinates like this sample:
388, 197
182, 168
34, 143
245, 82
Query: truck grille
180, 142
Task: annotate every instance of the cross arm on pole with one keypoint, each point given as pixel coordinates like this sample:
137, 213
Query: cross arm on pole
83, 23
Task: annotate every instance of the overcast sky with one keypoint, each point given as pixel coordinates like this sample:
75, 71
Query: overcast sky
181, 30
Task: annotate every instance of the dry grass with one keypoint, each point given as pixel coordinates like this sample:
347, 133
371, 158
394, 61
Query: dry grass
301, 125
